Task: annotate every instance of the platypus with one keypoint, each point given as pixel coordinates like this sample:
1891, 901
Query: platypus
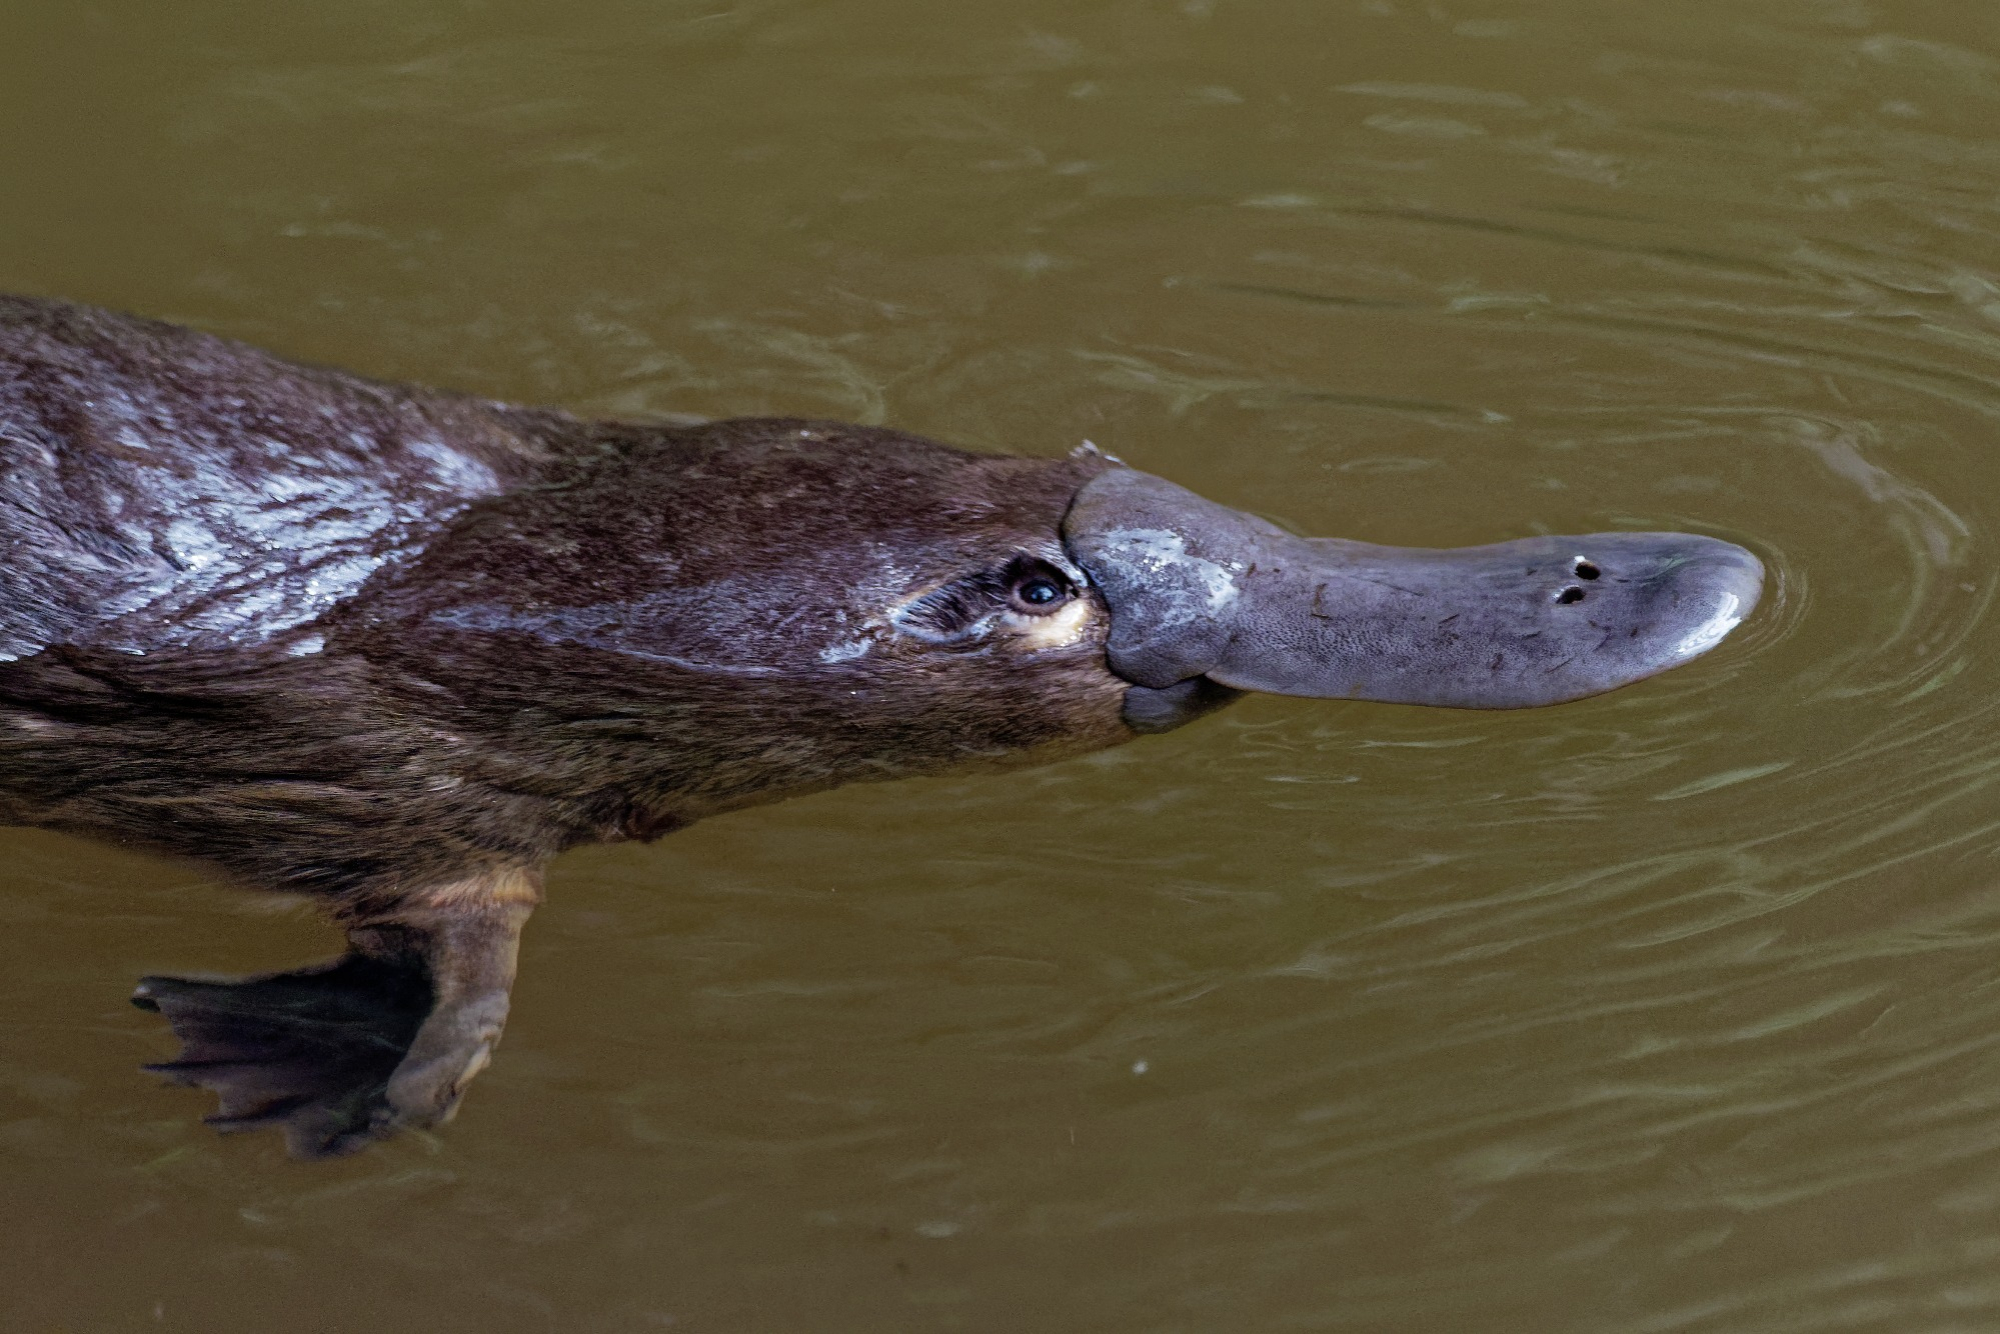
396, 648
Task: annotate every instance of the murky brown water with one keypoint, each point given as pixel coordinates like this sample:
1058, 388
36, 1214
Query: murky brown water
1676, 1010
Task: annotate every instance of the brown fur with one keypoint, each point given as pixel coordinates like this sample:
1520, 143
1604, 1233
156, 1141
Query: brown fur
475, 703
397, 648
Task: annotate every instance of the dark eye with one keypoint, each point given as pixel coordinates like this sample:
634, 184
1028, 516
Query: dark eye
1039, 592
1038, 589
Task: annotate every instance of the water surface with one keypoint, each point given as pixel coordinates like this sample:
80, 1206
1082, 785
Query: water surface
1674, 1010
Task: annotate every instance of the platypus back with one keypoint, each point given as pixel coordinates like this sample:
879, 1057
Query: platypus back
161, 487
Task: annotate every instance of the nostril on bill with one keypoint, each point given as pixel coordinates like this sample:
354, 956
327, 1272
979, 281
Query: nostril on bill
1585, 570
1570, 594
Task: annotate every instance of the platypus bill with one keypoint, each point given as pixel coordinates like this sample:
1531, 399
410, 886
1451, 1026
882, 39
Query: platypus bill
397, 648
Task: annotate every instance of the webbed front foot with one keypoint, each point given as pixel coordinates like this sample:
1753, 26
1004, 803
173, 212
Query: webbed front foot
312, 1052
383, 1039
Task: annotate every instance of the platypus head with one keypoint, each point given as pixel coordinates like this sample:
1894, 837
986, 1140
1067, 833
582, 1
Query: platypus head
816, 602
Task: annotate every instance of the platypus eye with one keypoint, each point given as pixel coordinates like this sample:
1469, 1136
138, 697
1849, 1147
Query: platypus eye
1038, 589
1038, 592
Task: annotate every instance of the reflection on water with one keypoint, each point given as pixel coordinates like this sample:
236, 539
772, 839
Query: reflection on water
1672, 1010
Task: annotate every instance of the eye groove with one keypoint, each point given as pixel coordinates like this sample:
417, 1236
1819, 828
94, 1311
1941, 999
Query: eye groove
961, 611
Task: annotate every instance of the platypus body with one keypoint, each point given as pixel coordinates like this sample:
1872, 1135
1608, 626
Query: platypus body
397, 648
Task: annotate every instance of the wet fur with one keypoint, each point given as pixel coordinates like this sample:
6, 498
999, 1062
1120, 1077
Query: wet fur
515, 676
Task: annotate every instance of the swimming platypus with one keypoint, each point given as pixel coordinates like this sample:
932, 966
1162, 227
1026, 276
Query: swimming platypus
397, 648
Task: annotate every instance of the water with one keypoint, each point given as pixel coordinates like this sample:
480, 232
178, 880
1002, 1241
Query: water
1674, 1010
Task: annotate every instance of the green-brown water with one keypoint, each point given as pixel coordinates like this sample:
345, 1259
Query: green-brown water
1675, 1010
